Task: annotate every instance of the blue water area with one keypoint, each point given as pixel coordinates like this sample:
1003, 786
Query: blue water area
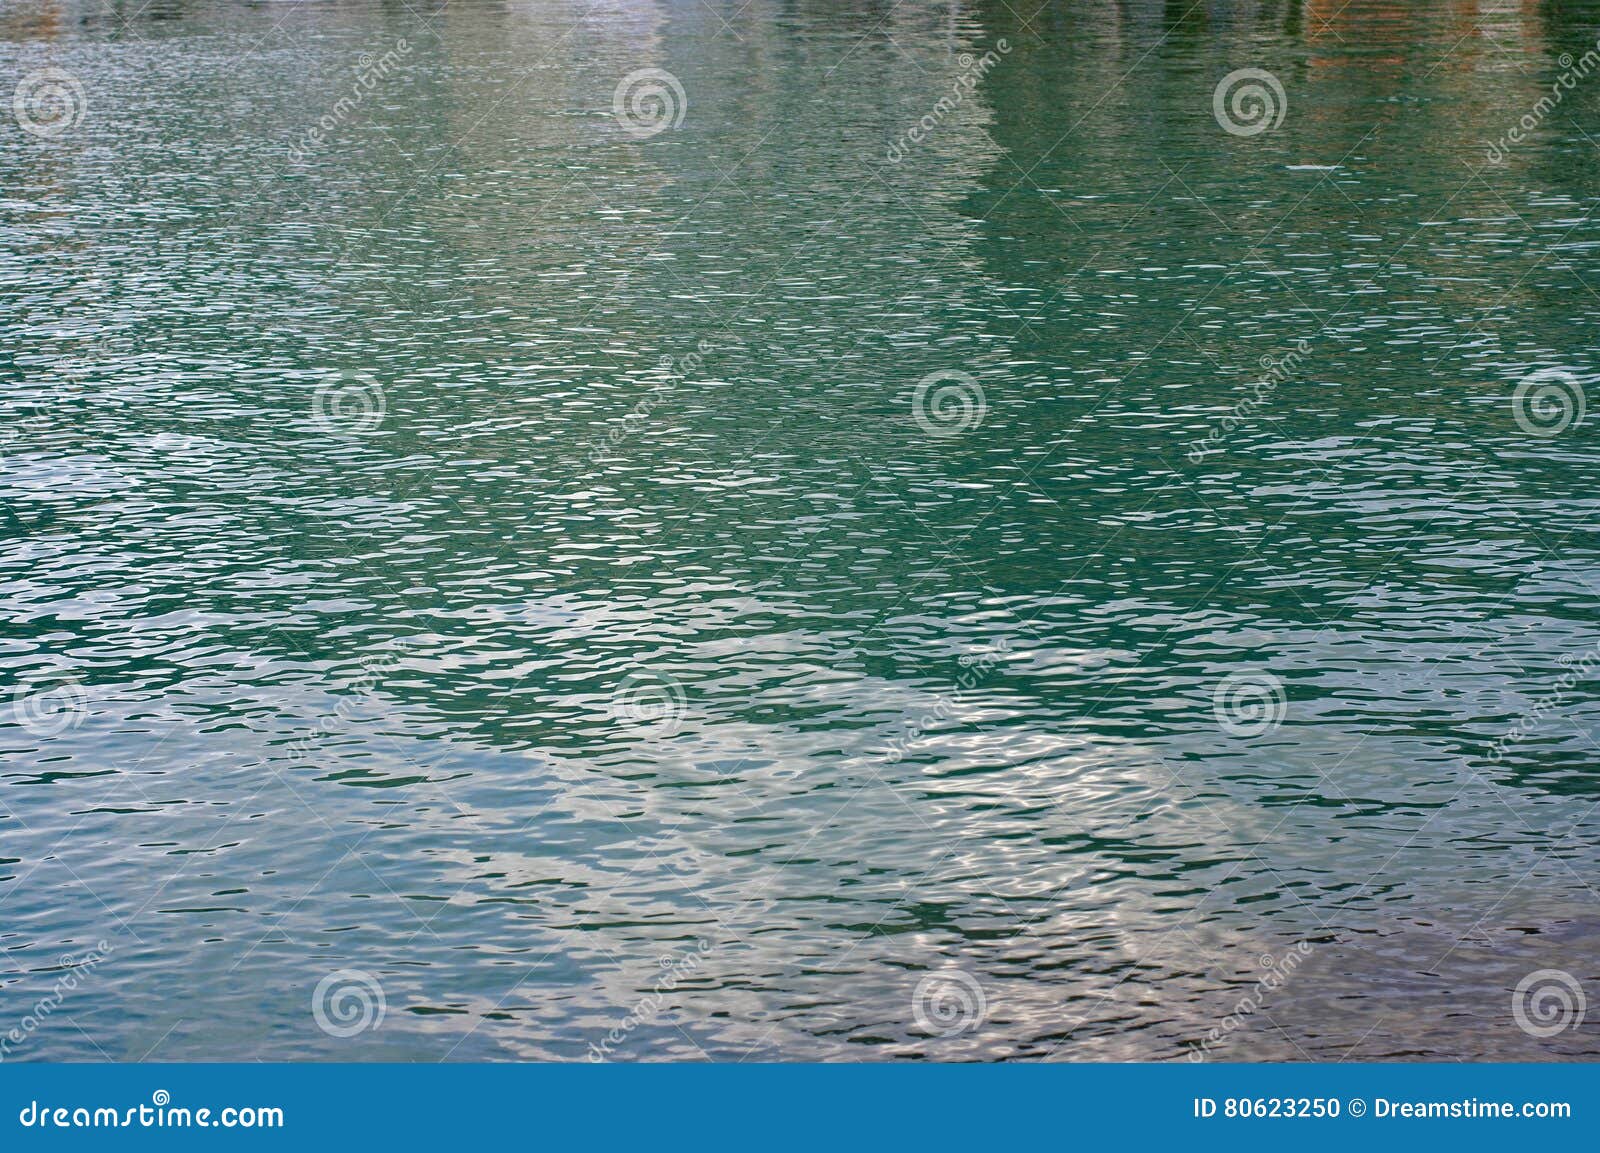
799, 531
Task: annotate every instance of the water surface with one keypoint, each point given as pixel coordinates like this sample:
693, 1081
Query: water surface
505, 556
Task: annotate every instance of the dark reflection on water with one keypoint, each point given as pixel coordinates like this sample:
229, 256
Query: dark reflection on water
649, 675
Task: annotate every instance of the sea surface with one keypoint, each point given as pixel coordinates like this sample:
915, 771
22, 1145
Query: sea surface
799, 531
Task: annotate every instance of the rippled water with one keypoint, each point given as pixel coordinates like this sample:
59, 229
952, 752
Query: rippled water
877, 550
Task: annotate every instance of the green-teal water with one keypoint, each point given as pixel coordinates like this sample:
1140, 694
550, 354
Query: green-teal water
924, 536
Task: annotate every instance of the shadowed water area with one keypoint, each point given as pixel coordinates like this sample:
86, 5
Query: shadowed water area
508, 557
